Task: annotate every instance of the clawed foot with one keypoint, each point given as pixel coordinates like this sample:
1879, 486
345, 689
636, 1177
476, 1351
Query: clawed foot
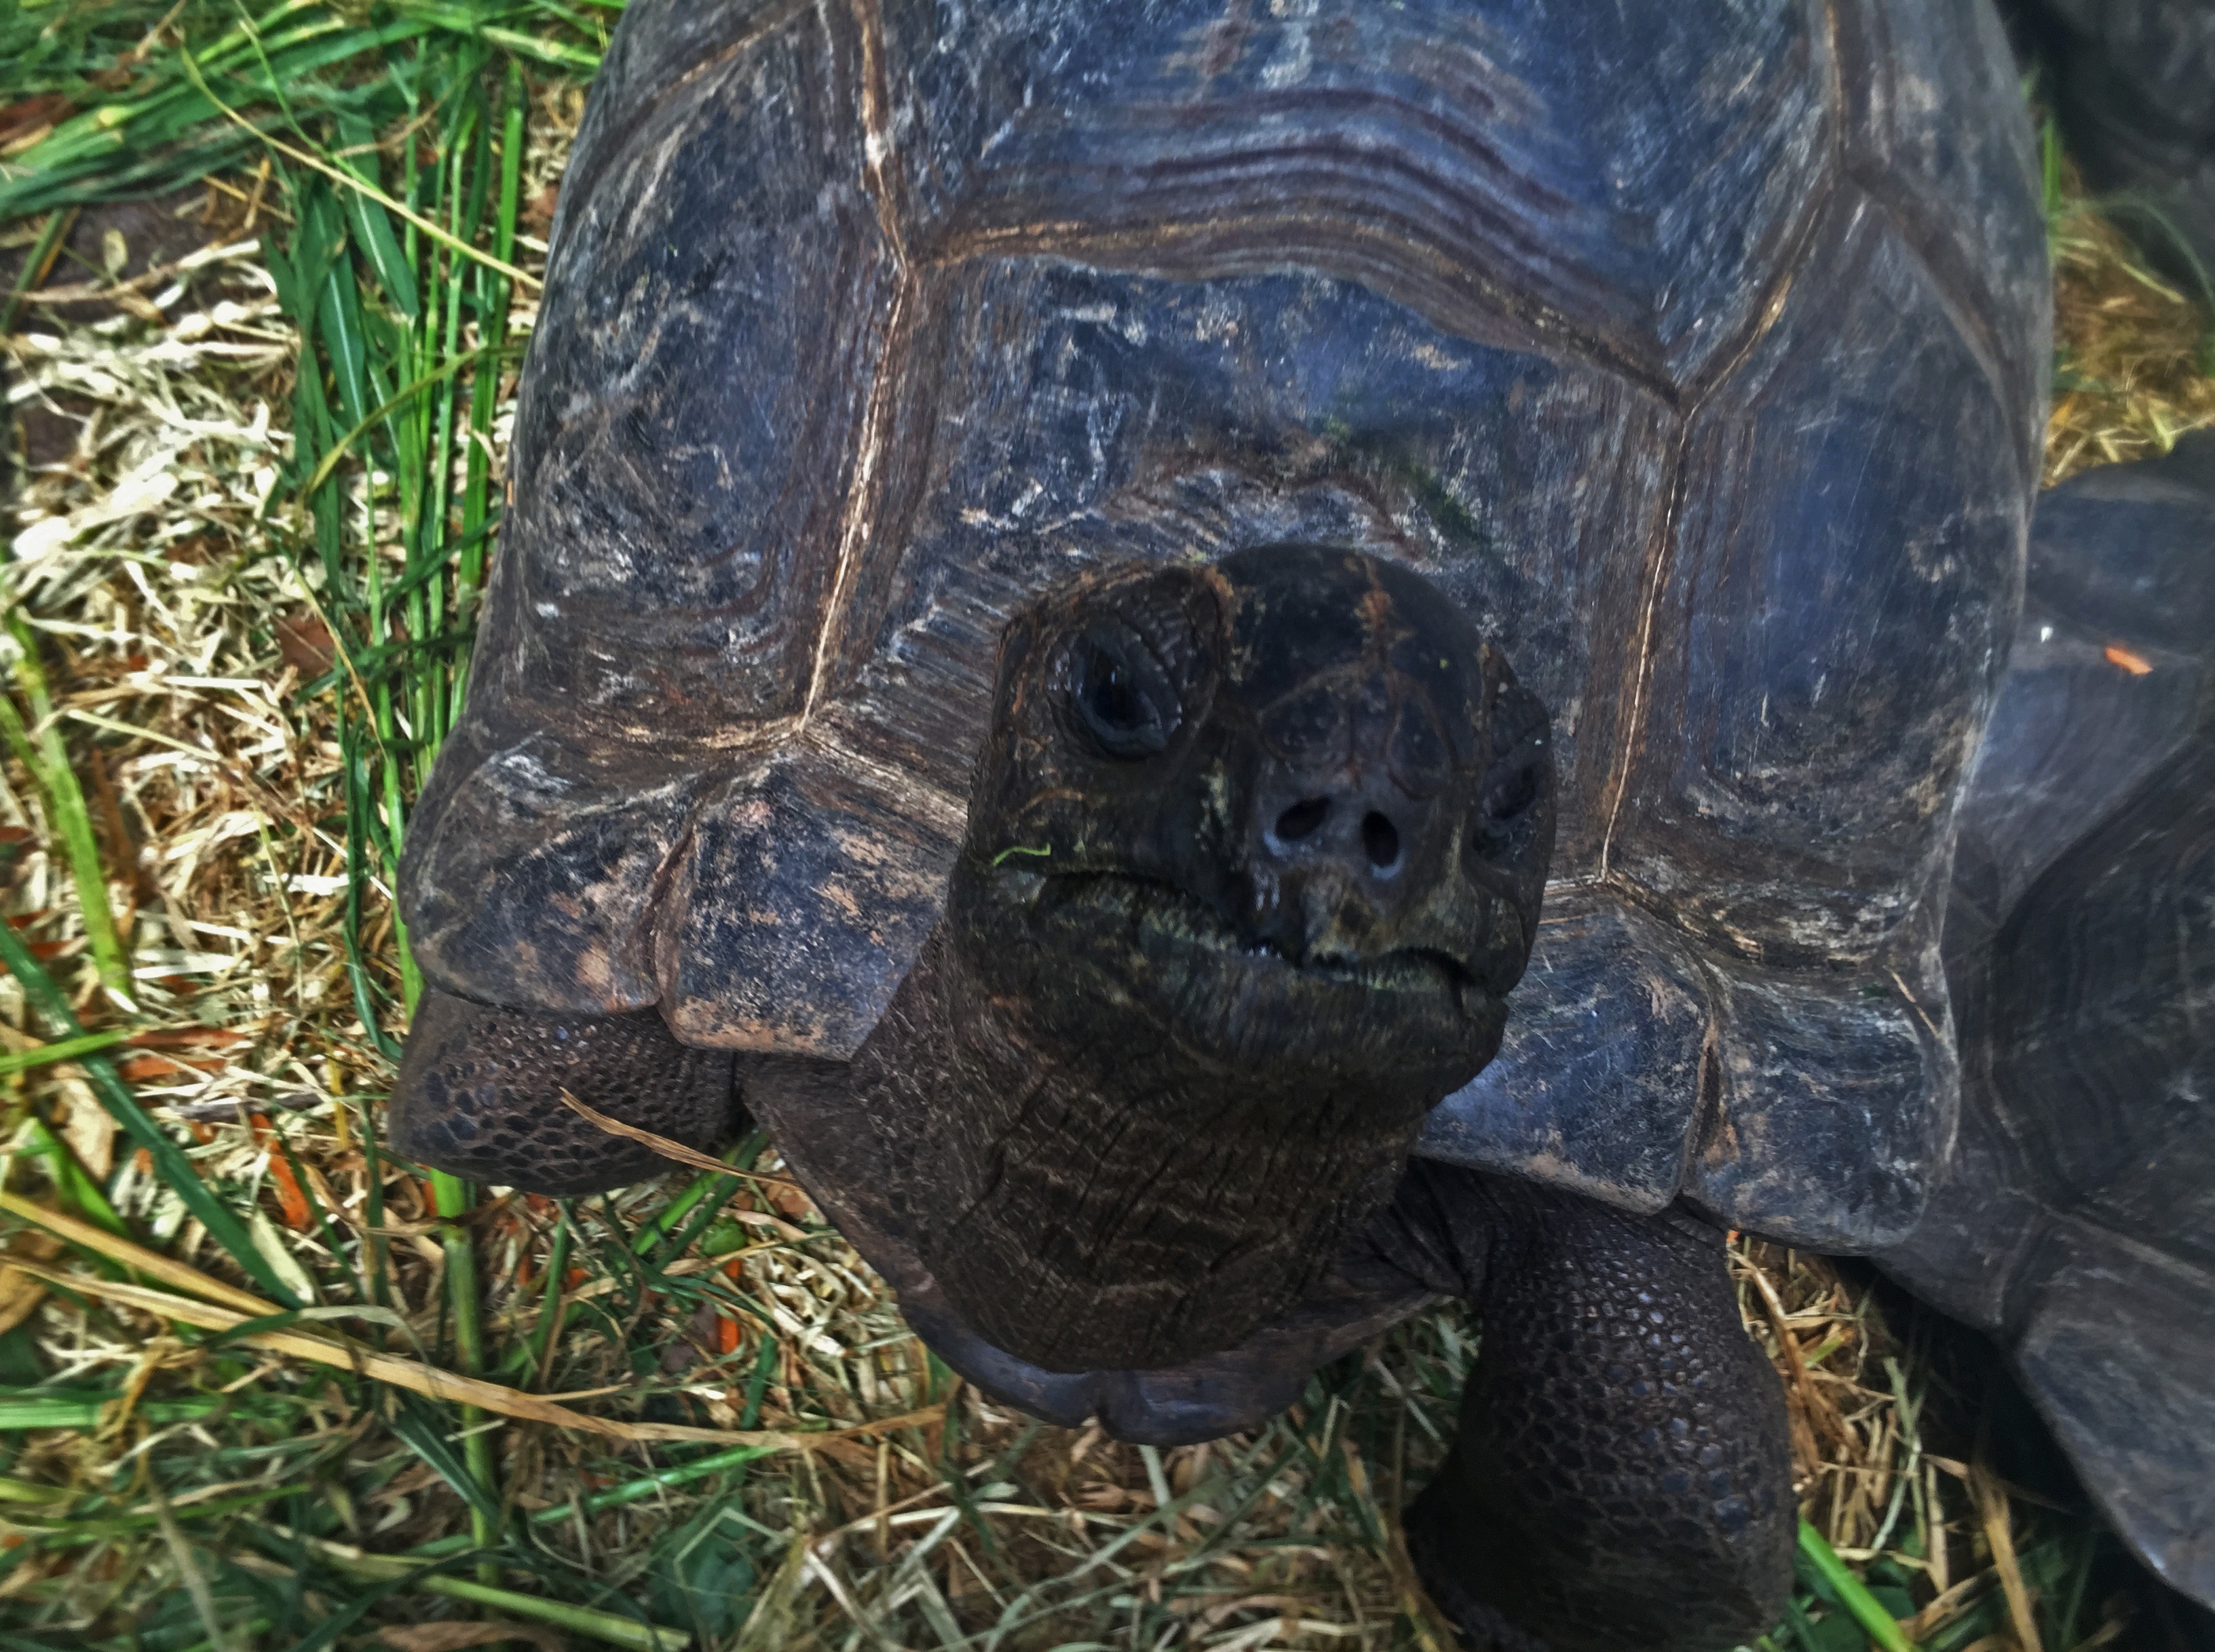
479, 1095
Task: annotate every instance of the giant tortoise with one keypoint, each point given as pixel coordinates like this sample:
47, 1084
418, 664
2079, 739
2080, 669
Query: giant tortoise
1075, 571
2075, 1220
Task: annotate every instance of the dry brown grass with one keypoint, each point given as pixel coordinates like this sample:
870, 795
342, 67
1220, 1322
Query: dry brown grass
2135, 357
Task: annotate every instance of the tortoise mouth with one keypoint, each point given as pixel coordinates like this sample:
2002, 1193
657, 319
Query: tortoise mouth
1161, 920
1104, 965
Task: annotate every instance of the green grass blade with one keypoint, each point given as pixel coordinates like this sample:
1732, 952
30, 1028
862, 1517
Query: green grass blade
758, 1384
39, 746
708, 1188
166, 137
360, 826
66, 1050
636, 1490
554, 53
373, 226
81, 1195
78, 1529
375, 1262
423, 1427
606, 1626
171, 1163
386, 1585
452, 1198
31, 1492
34, 266
532, 1362
18, 1413
302, 157
383, 415
1881, 1626
339, 316
616, 1496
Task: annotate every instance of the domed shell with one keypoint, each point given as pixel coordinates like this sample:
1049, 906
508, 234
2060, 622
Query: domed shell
2077, 1219
1698, 356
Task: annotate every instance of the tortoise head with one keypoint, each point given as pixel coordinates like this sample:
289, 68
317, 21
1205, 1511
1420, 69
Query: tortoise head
1288, 811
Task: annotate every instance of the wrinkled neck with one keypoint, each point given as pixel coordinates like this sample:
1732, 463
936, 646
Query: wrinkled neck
1124, 1204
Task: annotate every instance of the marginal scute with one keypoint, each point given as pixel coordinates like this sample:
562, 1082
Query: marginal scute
2153, 584
803, 893
1835, 1097
2080, 732
1597, 1087
2110, 1354
532, 867
2098, 1017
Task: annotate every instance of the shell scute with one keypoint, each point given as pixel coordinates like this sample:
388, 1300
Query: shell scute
687, 440
1840, 596
1635, 185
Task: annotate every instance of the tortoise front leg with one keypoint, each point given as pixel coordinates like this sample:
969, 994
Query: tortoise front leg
1621, 1478
479, 1095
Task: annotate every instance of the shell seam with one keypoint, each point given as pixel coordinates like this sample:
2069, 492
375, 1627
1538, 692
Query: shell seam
1772, 309
855, 520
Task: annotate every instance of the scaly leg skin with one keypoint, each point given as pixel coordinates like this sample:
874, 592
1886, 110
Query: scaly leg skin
1623, 1477
479, 1095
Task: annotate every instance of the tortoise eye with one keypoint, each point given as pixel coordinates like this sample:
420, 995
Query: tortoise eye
1112, 700
1122, 698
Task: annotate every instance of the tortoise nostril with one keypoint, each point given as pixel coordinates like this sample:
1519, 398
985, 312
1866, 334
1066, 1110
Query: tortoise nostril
1382, 839
1301, 818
